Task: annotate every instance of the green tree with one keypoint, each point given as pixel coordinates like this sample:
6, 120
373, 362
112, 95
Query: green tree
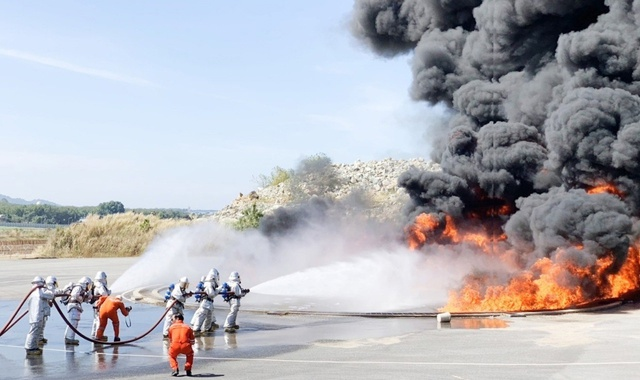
111, 207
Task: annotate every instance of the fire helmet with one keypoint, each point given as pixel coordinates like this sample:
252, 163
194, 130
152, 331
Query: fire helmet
184, 282
234, 276
86, 282
101, 277
51, 281
213, 276
37, 280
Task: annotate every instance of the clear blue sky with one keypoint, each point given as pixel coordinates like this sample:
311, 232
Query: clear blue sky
185, 104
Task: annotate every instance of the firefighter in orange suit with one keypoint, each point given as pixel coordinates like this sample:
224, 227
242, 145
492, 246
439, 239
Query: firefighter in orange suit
108, 308
181, 339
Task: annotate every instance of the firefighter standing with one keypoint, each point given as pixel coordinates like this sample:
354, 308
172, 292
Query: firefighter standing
176, 300
234, 292
100, 290
38, 303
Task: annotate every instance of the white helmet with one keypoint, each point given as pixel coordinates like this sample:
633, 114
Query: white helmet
184, 282
37, 280
101, 277
213, 275
51, 281
86, 282
234, 276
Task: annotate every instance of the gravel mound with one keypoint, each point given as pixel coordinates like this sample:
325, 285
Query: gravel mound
372, 185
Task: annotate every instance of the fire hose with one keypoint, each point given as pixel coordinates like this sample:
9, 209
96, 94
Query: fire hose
112, 343
11, 322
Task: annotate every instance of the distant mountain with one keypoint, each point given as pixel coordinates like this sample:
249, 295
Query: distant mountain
20, 201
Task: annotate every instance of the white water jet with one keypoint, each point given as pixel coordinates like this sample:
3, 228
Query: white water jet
318, 268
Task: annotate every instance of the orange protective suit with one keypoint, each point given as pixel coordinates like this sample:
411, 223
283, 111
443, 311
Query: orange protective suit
109, 307
181, 339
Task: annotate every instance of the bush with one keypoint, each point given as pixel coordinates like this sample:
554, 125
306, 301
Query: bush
278, 175
250, 218
315, 176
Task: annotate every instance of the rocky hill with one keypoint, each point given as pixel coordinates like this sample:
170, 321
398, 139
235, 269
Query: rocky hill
372, 185
20, 201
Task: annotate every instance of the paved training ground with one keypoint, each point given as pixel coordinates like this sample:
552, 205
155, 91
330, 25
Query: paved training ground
596, 345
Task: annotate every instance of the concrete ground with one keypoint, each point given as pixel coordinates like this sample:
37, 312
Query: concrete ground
588, 345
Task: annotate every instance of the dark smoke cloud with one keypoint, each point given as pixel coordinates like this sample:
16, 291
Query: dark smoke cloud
285, 220
565, 219
546, 96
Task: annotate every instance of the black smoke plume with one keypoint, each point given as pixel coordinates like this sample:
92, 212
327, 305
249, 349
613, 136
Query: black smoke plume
547, 107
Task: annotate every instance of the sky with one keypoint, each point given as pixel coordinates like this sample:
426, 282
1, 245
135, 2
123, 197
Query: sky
186, 104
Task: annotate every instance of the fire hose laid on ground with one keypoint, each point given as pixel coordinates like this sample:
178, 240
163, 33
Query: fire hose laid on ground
13, 320
111, 343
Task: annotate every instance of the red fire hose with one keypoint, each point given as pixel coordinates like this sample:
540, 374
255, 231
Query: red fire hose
111, 343
11, 322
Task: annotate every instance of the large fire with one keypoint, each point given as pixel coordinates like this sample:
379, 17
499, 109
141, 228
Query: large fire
551, 283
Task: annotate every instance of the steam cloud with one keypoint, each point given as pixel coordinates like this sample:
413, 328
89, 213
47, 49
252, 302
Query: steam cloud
547, 106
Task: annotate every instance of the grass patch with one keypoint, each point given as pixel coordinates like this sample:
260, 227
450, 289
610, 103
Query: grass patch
115, 235
13, 234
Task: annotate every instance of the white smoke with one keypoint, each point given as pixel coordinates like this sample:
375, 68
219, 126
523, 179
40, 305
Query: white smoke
316, 268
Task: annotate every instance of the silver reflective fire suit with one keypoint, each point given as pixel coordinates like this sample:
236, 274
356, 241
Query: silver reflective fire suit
79, 294
99, 290
204, 316
47, 311
180, 295
38, 305
234, 303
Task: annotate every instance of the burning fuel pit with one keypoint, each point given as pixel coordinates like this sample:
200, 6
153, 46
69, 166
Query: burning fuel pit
540, 156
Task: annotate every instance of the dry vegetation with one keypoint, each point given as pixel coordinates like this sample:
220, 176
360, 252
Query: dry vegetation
116, 235
10, 234
20, 242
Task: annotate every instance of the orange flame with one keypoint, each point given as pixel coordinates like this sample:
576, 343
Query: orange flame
428, 228
606, 188
423, 227
549, 285
477, 239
